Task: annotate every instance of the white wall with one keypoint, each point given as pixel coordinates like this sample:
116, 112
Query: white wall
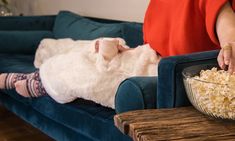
128, 10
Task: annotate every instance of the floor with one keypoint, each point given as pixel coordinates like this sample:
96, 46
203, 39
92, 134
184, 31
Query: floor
13, 128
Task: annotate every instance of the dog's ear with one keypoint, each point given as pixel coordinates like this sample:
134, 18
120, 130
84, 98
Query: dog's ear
121, 41
108, 48
94, 46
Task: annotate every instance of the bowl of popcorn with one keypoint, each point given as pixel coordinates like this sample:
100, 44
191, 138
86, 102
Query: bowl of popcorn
211, 90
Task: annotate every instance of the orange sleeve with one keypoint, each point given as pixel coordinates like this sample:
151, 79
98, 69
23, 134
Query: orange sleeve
210, 10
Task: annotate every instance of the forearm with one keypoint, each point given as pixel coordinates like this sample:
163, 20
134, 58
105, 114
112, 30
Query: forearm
225, 25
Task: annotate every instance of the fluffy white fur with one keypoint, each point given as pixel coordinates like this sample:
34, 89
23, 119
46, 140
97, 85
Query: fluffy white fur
80, 71
51, 47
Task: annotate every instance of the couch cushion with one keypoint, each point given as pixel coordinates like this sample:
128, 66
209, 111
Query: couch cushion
21, 42
71, 25
53, 129
85, 117
132, 33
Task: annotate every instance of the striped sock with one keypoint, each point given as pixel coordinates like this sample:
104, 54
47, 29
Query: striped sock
30, 88
8, 80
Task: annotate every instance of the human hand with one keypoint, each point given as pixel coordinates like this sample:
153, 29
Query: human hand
226, 57
225, 28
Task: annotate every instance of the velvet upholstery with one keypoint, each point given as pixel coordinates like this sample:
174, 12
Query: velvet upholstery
136, 93
132, 33
71, 25
22, 42
21, 35
16, 63
53, 129
83, 118
171, 92
26, 23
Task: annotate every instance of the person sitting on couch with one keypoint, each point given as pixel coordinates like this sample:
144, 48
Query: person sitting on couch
175, 28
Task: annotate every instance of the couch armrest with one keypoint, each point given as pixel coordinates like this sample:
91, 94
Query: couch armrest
20, 23
136, 93
171, 92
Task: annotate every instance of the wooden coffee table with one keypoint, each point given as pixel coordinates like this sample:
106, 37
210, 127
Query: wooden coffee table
174, 124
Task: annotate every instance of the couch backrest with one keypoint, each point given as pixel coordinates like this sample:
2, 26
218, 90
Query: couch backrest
27, 23
21, 35
68, 24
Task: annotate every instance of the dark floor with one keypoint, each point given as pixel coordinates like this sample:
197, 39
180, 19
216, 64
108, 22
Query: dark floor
13, 128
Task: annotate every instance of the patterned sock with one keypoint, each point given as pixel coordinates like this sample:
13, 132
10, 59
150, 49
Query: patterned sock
7, 80
30, 88
36, 76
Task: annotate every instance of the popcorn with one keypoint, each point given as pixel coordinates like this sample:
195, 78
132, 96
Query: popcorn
213, 91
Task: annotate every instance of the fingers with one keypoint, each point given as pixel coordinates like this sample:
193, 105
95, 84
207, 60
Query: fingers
220, 60
226, 57
231, 67
227, 54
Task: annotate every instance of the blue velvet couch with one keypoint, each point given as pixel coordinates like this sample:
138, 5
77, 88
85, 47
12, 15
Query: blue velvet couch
84, 120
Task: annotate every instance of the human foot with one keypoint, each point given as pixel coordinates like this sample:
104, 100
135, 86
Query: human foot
30, 88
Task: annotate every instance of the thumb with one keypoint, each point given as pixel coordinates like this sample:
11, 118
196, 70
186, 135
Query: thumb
220, 59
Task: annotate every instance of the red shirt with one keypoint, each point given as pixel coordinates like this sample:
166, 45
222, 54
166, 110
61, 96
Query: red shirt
175, 27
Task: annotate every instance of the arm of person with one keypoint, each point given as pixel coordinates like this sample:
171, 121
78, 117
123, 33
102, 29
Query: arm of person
225, 28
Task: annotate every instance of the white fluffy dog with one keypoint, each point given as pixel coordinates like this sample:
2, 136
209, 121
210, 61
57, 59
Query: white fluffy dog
91, 70
51, 47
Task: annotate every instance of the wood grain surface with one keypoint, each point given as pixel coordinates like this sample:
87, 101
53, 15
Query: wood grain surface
174, 124
13, 128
